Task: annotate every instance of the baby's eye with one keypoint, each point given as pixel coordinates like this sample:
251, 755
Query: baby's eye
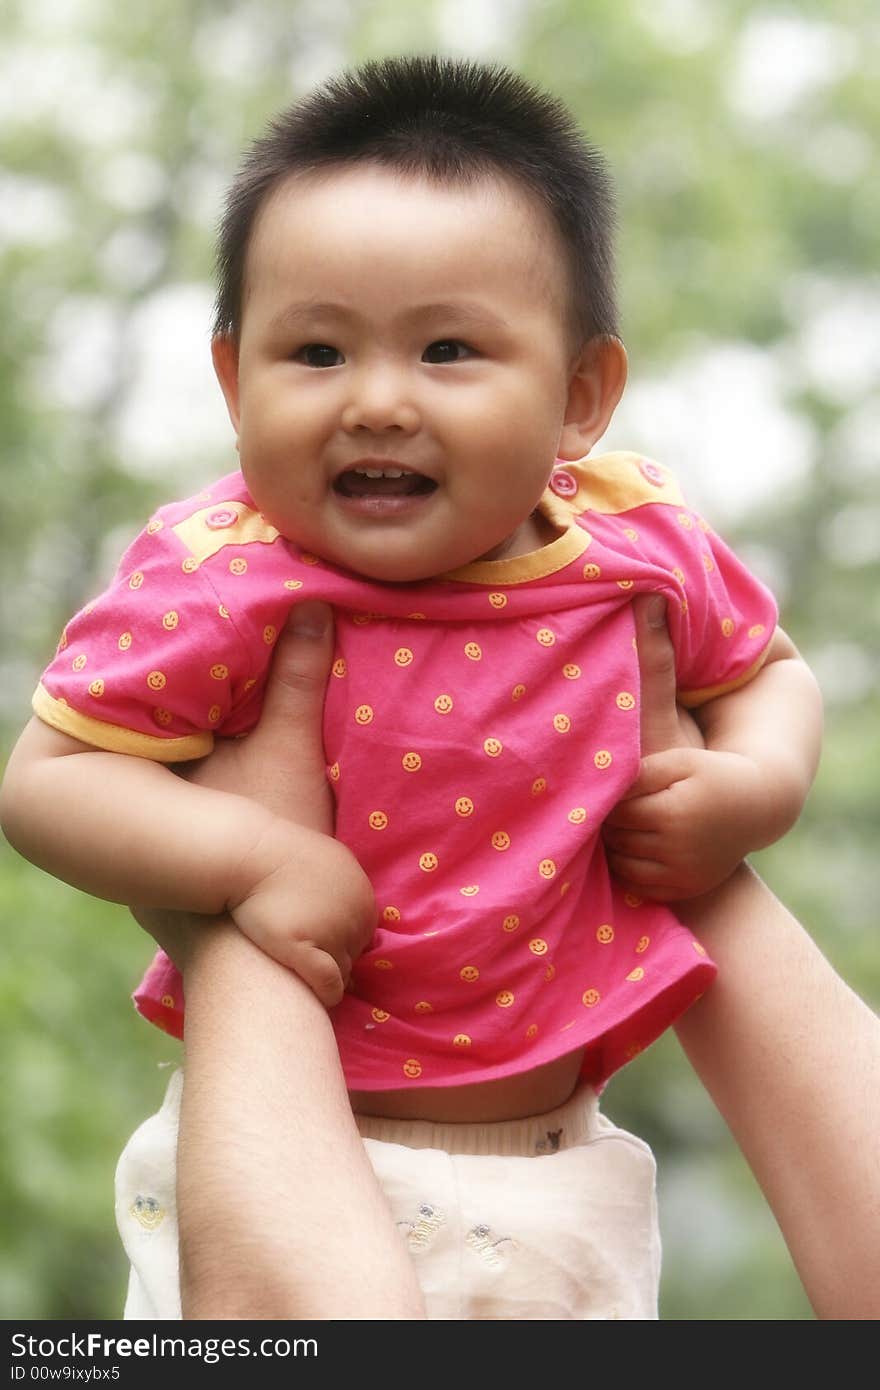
319, 355
446, 350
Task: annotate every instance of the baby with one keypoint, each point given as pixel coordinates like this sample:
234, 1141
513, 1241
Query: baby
416, 338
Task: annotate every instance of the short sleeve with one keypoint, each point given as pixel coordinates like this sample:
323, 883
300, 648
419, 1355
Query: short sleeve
721, 617
154, 666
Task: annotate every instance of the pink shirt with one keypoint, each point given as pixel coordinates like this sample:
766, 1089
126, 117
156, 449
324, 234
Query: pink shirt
478, 729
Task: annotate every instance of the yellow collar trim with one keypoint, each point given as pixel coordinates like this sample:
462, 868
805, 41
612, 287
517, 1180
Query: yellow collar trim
537, 564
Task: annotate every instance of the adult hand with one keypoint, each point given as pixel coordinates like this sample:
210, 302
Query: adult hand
294, 786
636, 832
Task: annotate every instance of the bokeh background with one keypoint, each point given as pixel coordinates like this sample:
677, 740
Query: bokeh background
744, 136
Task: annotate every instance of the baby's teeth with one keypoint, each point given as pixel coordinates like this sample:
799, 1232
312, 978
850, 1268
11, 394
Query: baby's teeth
380, 472
393, 472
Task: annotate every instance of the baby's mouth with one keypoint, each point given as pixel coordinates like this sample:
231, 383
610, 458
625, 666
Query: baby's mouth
382, 482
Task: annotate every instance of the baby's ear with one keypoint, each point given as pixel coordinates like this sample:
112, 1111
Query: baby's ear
596, 385
224, 351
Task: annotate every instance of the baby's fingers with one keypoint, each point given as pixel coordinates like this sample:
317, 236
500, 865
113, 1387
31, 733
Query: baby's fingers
324, 975
645, 877
635, 844
646, 813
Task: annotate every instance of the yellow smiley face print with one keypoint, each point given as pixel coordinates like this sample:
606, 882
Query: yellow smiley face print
97, 688
170, 620
517, 692
500, 840
642, 944
333, 772
363, 714
412, 1068
162, 717
469, 973
637, 974
423, 1007
378, 820
605, 933
511, 922
498, 600
539, 785
383, 964
571, 671
411, 762
590, 998
547, 868
591, 571
577, 815
443, 704
625, 700
473, 651
379, 1015
545, 636
269, 634
492, 747
339, 668
464, 806
156, 680
538, 946
461, 1040
214, 714
219, 672
124, 641
504, 998
603, 759
728, 627
428, 862
550, 973
237, 566
470, 890
391, 914
561, 723
403, 656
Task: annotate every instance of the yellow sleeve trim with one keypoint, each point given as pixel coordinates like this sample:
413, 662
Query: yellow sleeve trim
202, 541
618, 482
691, 698
113, 738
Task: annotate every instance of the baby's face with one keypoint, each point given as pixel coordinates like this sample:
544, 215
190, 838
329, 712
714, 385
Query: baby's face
403, 369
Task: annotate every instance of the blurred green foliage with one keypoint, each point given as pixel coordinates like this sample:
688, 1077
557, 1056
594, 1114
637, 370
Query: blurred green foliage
742, 137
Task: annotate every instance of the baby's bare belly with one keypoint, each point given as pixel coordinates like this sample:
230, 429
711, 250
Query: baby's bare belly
510, 1098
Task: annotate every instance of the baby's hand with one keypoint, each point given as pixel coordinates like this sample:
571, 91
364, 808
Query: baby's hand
303, 898
688, 820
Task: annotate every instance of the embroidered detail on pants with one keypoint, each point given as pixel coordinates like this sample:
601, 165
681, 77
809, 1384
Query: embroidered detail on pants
550, 1144
148, 1212
422, 1232
483, 1241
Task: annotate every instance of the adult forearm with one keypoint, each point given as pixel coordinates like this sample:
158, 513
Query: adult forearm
791, 1058
280, 1213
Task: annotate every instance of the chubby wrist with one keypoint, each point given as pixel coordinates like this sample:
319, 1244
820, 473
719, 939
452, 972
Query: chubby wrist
773, 794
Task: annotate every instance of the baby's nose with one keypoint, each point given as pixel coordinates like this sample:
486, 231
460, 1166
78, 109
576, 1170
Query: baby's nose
380, 400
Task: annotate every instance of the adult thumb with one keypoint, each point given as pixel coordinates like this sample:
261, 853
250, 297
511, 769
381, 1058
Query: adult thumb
294, 699
660, 727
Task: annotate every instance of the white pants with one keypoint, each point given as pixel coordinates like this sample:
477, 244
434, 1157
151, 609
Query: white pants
551, 1217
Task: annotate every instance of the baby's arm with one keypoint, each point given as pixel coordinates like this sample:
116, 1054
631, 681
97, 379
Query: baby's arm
693, 814
127, 829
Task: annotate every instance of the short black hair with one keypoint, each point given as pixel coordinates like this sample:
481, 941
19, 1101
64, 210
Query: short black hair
448, 120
